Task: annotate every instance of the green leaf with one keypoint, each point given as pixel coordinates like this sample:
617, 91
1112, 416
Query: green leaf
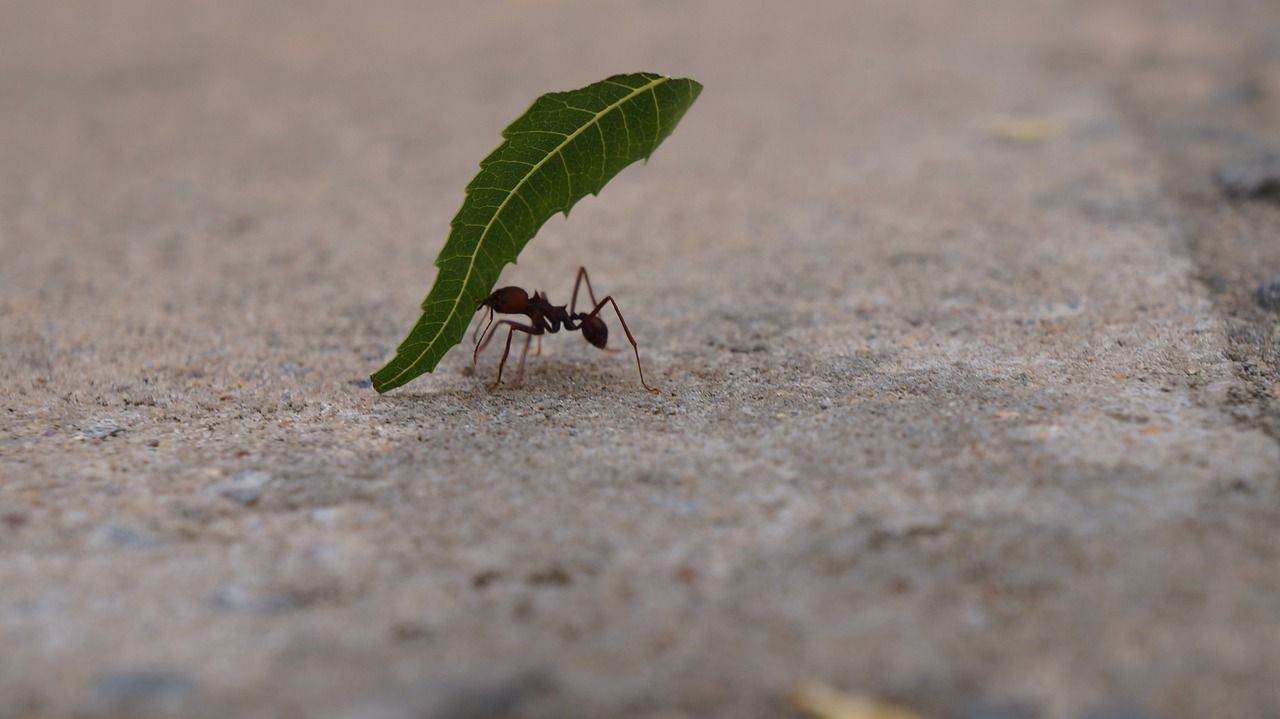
566, 145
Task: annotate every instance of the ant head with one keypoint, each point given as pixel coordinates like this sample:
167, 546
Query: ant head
595, 330
508, 300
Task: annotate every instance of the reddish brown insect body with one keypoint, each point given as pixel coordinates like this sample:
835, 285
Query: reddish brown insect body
545, 318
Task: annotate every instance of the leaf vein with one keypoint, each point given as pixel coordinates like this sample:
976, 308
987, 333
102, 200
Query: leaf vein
486, 242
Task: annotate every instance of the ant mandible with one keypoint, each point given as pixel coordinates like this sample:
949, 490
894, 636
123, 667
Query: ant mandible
544, 318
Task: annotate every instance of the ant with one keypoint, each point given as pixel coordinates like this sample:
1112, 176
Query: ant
545, 317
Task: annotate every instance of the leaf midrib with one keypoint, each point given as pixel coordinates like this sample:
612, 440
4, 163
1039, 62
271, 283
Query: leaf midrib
484, 234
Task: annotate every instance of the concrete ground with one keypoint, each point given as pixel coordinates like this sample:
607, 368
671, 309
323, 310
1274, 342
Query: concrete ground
965, 401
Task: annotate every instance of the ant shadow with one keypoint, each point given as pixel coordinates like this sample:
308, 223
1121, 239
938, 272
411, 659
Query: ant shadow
543, 378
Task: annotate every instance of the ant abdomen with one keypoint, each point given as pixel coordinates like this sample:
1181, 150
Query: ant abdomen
595, 330
508, 300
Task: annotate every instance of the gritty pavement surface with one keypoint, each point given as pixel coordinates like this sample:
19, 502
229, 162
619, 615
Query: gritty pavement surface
966, 398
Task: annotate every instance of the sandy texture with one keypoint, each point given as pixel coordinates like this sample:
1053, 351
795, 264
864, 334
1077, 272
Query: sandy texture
947, 413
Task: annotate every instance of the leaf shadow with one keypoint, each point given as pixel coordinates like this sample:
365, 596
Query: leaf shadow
543, 379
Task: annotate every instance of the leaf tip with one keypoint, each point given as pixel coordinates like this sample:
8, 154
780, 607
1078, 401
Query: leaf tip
390, 376
379, 386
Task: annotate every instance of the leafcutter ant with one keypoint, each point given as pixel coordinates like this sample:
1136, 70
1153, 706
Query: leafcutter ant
546, 318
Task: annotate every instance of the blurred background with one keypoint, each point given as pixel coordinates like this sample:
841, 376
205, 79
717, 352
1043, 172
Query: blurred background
968, 366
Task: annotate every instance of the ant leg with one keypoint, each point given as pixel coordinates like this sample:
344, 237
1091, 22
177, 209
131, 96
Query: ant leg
491, 330
507, 350
520, 369
609, 299
538, 352
582, 276
485, 337
478, 334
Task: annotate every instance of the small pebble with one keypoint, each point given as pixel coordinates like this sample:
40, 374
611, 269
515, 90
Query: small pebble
1251, 177
1268, 294
122, 536
326, 517
36, 611
997, 710
295, 370
321, 552
101, 429
408, 632
479, 698
824, 403
1120, 712
237, 599
14, 520
490, 698
245, 488
156, 688
553, 575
